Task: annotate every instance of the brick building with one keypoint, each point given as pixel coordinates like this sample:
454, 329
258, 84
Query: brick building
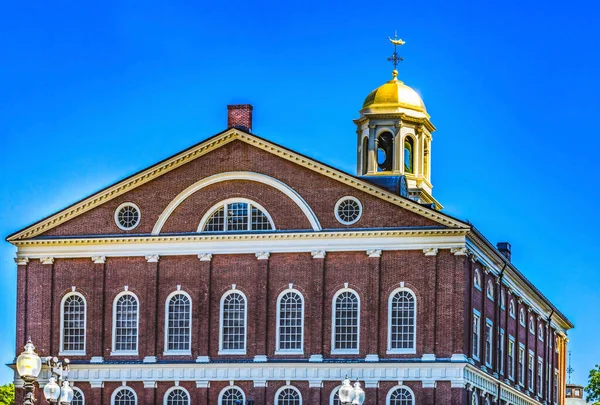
239, 270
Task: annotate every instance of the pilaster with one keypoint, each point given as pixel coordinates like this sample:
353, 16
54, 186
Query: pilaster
202, 330
373, 304
262, 307
152, 309
316, 310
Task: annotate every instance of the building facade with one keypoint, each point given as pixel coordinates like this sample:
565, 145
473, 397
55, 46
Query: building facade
239, 270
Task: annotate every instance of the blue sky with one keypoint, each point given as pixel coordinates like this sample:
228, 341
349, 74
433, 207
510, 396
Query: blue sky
92, 93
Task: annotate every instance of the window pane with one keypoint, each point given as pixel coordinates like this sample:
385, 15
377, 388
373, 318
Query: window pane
237, 216
401, 396
178, 397
290, 322
402, 321
346, 321
74, 324
178, 327
125, 397
260, 222
77, 398
216, 222
234, 322
288, 396
126, 323
231, 397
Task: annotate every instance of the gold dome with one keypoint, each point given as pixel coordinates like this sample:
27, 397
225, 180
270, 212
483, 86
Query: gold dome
394, 94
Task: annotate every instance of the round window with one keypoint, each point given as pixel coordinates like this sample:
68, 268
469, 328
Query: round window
127, 216
348, 210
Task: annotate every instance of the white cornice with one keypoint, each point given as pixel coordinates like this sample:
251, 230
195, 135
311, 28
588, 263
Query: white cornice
250, 243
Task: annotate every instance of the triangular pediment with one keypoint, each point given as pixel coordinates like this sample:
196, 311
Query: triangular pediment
210, 145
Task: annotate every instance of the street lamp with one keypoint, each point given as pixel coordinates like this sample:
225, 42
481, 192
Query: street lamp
351, 395
29, 365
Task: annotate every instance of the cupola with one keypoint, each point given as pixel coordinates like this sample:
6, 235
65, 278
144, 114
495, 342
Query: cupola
394, 135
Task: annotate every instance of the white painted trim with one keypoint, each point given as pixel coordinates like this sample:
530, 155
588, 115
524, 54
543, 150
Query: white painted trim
477, 314
389, 329
333, 319
278, 350
477, 279
221, 204
224, 243
122, 388
81, 392
512, 309
63, 352
489, 290
229, 351
116, 215
287, 386
337, 205
489, 338
166, 350
228, 176
332, 394
229, 387
176, 387
400, 386
115, 352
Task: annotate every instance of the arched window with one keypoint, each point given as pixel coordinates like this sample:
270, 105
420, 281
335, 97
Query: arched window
177, 396
490, 290
408, 155
365, 155
511, 309
334, 398
474, 398
178, 323
385, 152
125, 324
477, 279
233, 323
346, 322
78, 398
540, 332
288, 396
402, 319
290, 322
124, 396
531, 325
73, 319
236, 215
502, 298
232, 396
400, 396
522, 317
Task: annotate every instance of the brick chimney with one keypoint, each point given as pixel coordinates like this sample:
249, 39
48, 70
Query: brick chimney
505, 249
239, 116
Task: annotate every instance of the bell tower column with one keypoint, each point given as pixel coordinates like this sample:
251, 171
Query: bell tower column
397, 165
372, 159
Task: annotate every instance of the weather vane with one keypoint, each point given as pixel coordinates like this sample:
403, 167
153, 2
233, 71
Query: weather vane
570, 369
395, 59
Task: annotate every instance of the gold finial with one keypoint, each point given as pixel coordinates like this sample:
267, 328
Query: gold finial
395, 59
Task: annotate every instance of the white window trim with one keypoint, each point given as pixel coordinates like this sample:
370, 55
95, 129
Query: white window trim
513, 314
490, 323
489, 291
232, 351
477, 314
360, 210
477, 276
166, 351
279, 351
62, 352
502, 350
389, 339
531, 325
522, 319
127, 204
115, 352
531, 384
515, 354
284, 388
176, 387
332, 395
539, 377
122, 388
229, 387
80, 392
388, 397
333, 319
524, 367
222, 204
540, 332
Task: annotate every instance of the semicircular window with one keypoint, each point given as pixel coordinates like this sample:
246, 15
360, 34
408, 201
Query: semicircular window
237, 215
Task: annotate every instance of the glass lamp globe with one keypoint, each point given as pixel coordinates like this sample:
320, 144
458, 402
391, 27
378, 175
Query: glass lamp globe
29, 363
52, 390
359, 394
66, 393
346, 392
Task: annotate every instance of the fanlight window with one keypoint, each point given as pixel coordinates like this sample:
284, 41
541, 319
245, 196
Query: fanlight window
401, 396
232, 396
288, 396
125, 396
240, 215
335, 397
77, 397
73, 324
177, 397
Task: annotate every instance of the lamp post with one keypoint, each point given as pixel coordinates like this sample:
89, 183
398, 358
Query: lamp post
351, 395
29, 365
